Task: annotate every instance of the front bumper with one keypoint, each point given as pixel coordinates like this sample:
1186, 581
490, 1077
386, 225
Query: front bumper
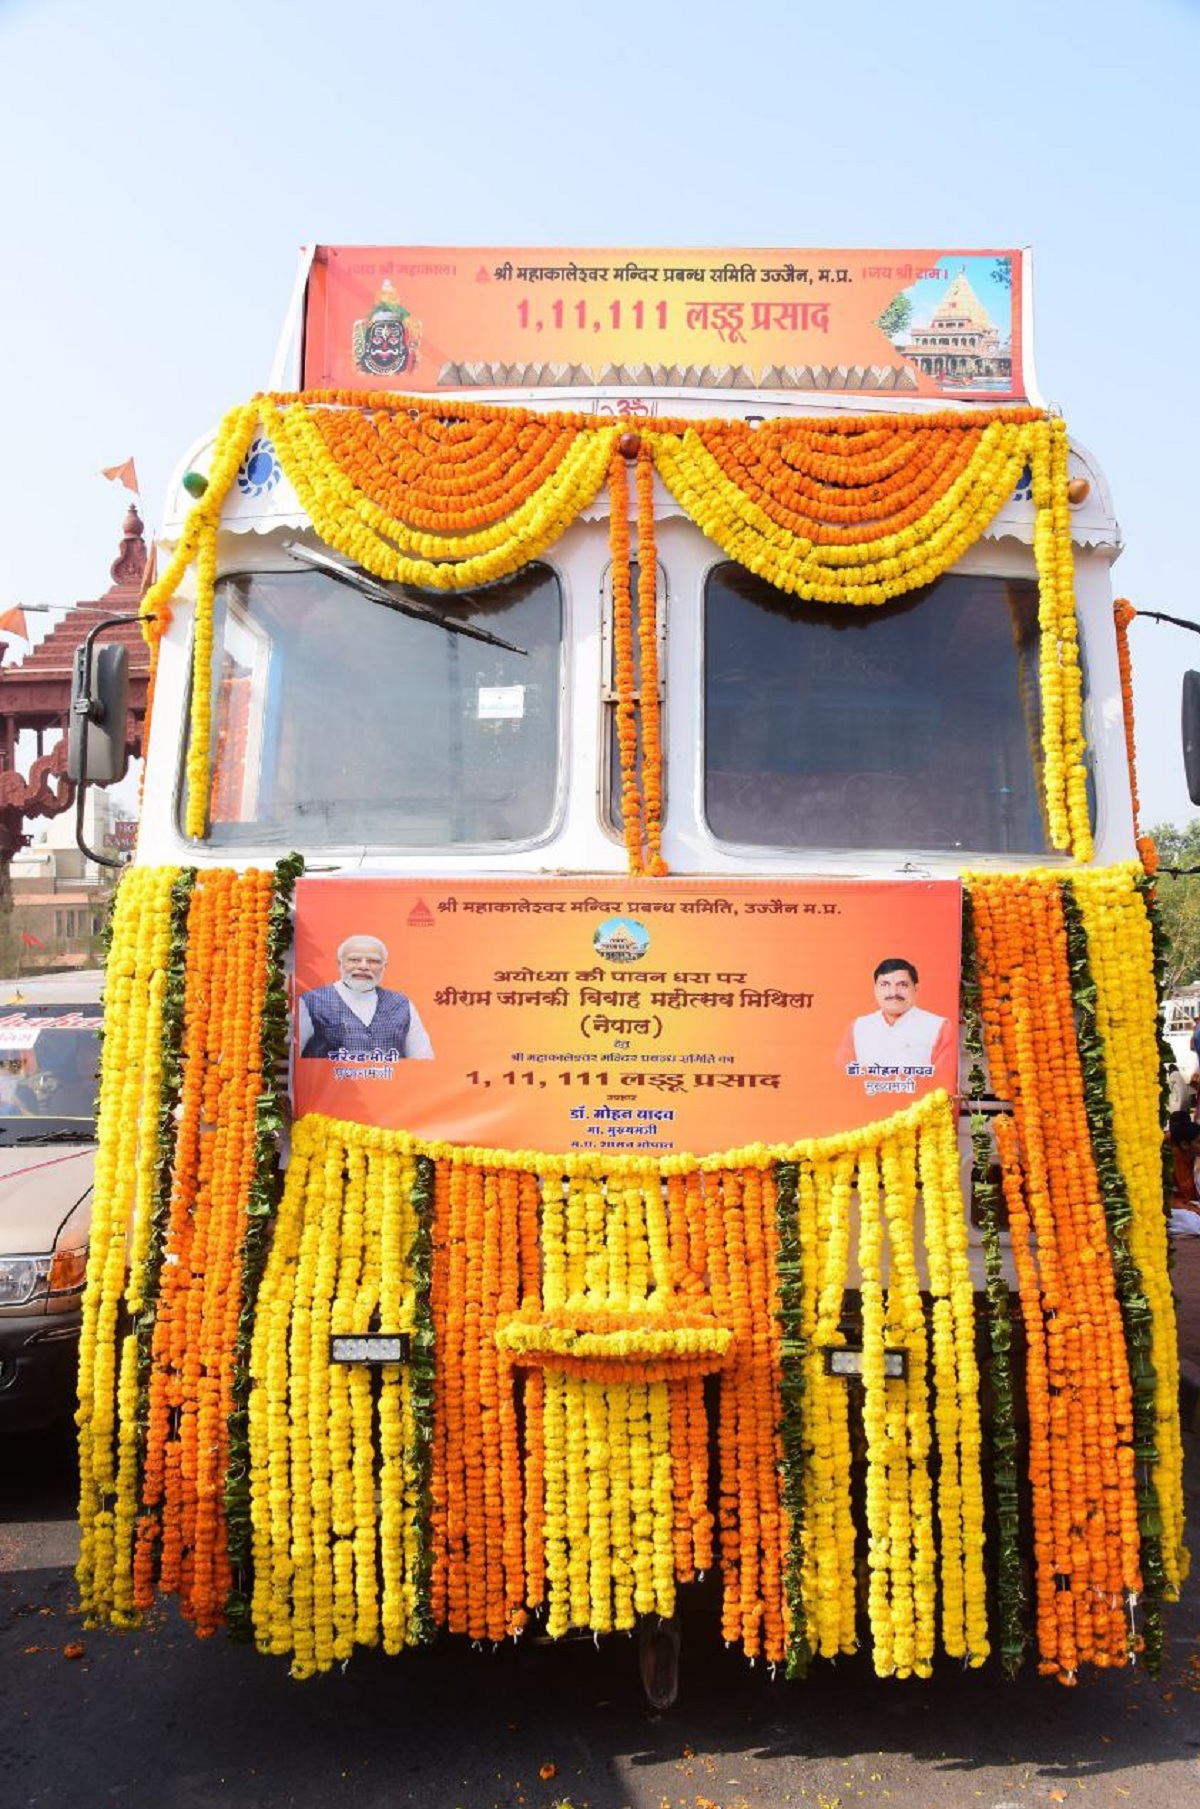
39, 1360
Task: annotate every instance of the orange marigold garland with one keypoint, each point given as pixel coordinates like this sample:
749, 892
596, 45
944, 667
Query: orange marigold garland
845, 486
478, 1533
626, 681
445, 1211
649, 714
1040, 1462
444, 476
195, 1342
1087, 1526
1123, 615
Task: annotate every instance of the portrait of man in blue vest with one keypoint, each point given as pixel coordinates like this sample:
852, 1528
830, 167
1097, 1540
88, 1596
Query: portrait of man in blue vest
358, 1017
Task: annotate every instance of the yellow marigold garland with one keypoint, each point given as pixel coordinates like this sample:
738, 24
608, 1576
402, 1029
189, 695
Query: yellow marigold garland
199, 542
828, 1572
129, 1106
878, 1426
957, 1382
911, 1545
608, 1336
649, 713
1121, 953
329, 1575
1064, 771
623, 661
867, 572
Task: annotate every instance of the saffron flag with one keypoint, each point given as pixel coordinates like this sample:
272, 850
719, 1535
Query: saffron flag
13, 621
123, 474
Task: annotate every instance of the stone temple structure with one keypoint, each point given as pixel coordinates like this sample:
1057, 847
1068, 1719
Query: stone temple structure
35, 699
961, 345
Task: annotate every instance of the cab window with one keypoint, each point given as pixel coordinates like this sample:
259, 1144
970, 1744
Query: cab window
339, 719
913, 725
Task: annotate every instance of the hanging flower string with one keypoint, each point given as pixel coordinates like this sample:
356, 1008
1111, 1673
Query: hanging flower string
193, 1347
623, 661
649, 713
1064, 774
1130, 1288
1123, 615
635, 659
987, 1204
198, 543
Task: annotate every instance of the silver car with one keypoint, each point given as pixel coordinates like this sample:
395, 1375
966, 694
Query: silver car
49, 1055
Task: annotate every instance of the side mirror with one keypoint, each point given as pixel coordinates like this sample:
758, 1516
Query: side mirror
1191, 734
99, 715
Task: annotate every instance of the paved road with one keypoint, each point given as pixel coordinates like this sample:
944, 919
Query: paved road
161, 1720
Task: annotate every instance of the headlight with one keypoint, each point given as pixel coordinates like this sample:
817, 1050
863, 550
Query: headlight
22, 1278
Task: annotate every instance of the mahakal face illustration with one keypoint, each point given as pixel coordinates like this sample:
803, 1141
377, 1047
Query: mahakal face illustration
386, 342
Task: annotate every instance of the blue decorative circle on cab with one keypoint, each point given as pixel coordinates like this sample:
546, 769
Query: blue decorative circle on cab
260, 471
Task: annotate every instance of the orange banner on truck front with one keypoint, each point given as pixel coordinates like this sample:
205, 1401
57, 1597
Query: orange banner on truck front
623, 1015
430, 318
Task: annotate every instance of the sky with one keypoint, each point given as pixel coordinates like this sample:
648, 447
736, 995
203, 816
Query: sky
163, 165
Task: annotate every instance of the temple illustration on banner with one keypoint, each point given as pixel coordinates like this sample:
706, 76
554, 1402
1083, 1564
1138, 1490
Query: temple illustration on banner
961, 348
621, 940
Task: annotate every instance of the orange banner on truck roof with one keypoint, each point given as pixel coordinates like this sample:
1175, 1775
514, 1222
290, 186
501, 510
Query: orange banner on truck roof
617, 1014
938, 323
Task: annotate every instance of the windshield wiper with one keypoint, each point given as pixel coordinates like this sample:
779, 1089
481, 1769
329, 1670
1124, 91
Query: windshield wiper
81, 1133
376, 593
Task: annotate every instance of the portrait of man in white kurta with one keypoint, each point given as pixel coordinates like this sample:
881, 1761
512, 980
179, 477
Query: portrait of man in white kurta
900, 1036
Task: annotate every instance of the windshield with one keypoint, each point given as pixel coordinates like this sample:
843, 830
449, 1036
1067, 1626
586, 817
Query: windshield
913, 725
338, 721
48, 1073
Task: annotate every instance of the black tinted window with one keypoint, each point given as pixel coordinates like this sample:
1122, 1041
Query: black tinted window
915, 725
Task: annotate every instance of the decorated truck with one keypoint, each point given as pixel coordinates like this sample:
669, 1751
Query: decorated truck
631, 1046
